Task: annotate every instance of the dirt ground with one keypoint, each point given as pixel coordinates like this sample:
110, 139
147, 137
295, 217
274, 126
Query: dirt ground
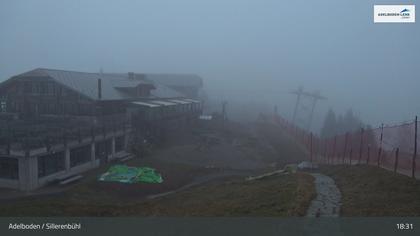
254, 146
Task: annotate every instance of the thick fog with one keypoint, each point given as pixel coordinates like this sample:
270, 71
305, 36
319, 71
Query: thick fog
252, 51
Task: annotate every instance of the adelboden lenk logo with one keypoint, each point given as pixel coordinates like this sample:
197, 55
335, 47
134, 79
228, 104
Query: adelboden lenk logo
405, 13
394, 13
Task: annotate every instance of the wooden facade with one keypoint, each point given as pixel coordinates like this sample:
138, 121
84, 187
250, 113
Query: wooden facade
32, 96
74, 121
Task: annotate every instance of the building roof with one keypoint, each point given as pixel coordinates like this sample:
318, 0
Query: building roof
146, 104
179, 80
164, 103
180, 101
168, 80
154, 103
163, 91
87, 83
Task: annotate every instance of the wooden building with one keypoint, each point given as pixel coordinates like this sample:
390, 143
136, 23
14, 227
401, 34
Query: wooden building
107, 110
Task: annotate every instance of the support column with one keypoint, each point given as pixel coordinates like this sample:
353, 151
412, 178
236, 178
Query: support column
92, 153
126, 138
67, 159
28, 172
113, 146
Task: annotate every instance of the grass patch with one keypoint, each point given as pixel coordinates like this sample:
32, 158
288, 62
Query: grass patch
286, 195
372, 191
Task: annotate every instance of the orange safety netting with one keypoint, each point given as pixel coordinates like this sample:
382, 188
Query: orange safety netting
390, 146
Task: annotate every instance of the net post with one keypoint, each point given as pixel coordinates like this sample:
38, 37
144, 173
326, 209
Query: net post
380, 145
396, 160
345, 147
335, 143
325, 150
413, 171
361, 144
311, 148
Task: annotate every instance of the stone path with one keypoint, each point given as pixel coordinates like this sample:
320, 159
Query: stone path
328, 200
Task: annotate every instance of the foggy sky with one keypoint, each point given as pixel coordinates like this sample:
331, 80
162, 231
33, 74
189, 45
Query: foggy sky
252, 50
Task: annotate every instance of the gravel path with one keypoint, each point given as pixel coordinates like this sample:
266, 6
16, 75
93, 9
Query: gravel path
328, 200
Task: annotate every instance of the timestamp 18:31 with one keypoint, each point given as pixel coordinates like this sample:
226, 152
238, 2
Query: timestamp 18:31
405, 226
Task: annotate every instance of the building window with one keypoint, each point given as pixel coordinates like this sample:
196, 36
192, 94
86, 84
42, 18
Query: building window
119, 143
9, 168
79, 155
36, 88
43, 87
27, 87
50, 164
3, 106
103, 148
50, 88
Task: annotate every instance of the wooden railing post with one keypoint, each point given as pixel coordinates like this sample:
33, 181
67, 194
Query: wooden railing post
79, 135
104, 130
9, 140
92, 133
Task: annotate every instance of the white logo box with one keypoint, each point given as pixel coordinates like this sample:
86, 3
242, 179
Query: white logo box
394, 13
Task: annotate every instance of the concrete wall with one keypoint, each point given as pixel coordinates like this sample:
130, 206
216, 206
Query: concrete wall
28, 172
9, 183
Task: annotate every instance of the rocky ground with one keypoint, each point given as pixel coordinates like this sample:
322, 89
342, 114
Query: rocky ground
328, 198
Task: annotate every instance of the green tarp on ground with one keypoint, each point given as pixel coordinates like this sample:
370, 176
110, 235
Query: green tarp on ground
128, 174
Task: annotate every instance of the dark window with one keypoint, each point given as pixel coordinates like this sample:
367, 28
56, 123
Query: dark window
43, 87
27, 87
18, 107
3, 106
63, 92
103, 148
50, 88
79, 155
50, 164
9, 168
13, 106
36, 87
119, 143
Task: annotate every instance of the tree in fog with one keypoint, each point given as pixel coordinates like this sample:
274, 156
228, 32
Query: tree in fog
350, 122
370, 138
340, 129
340, 124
